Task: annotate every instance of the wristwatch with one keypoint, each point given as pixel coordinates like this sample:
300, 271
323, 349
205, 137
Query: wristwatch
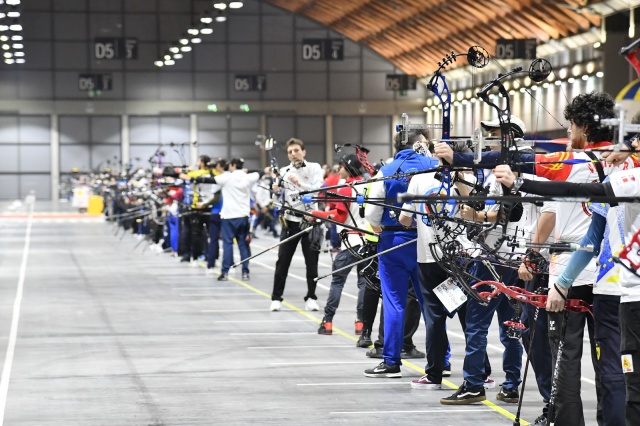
517, 183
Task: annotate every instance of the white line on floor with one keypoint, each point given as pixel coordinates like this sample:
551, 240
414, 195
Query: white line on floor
238, 295
13, 334
209, 288
213, 311
501, 349
323, 362
371, 383
301, 259
264, 265
273, 334
456, 410
299, 347
260, 321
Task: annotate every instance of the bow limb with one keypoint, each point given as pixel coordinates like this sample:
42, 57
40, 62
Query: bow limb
524, 296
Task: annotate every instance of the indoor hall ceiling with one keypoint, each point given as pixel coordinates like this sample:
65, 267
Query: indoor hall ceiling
414, 35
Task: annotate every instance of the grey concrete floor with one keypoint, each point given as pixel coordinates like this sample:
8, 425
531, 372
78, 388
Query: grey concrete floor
109, 335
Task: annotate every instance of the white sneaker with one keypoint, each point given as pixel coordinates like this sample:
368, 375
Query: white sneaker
489, 383
275, 306
210, 271
311, 305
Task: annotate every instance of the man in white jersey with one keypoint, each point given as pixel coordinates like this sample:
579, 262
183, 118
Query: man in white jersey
300, 175
624, 184
572, 222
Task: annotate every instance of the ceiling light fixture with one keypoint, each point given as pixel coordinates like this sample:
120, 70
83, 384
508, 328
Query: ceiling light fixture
206, 18
235, 5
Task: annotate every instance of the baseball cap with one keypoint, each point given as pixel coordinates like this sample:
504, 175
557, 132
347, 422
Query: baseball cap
517, 126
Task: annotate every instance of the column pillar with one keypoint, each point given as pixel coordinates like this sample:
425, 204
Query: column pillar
55, 159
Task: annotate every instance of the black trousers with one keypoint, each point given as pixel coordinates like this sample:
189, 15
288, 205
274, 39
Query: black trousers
607, 330
435, 319
630, 349
568, 403
540, 356
285, 255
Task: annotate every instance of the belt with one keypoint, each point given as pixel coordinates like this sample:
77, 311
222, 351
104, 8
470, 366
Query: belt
398, 228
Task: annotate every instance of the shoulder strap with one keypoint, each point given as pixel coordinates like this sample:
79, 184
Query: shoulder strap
598, 164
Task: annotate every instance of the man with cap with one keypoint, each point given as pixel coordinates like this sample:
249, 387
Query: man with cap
348, 213
518, 128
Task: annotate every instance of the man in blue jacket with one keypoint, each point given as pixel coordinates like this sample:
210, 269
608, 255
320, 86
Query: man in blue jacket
399, 265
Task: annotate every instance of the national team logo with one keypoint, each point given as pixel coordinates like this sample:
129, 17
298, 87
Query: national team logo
437, 208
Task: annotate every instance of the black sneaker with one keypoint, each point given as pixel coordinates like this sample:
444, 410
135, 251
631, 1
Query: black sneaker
541, 420
223, 277
464, 396
412, 354
374, 353
446, 371
384, 370
365, 340
508, 395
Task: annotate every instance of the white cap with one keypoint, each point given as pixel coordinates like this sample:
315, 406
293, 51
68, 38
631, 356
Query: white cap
517, 126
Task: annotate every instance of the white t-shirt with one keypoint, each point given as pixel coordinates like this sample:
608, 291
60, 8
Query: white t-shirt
573, 219
310, 176
236, 193
423, 185
427, 185
627, 184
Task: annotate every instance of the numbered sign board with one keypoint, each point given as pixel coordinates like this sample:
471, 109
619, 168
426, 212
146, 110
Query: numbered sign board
322, 49
401, 82
89, 82
516, 48
250, 83
115, 48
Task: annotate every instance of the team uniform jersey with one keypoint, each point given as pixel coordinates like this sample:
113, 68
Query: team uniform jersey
608, 275
532, 213
516, 229
424, 185
573, 219
310, 177
627, 184
346, 212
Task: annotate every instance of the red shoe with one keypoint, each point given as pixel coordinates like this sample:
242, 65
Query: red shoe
359, 327
326, 328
